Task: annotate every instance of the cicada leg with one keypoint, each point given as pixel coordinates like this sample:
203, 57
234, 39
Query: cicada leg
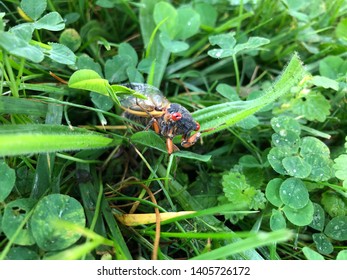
154, 123
188, 142
170, 146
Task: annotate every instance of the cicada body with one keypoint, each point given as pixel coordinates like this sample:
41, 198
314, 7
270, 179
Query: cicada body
165, 118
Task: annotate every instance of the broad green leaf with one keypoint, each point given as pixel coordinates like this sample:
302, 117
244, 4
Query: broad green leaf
311, 254
22, 253
150, 139
253, 43
221, 53
187, 23
317, 154
248, 123
313, 146
62, 54
70, 38
340, 167
103, 102
28, 139
318, 221
166, 13
224, 41
134, 75
172, 45
106, 3
287, 139
293, 193
15, 214
337, 228
334, 204
242, 195
325, 82
48, 211
333, 67
342, 255
285, 123
313, 106
276, 156
272, 192
52, 21
7, 180
296, 167
321, 168
322, 243
277, 221
23, 31
227, 114
115, 68
341, 29
228, 46
205, 189
86, 62
300, 217
253, 171
34, 8
208, 14
127, 49
228, 92
72, 17
19, 47
144, 65
89, 80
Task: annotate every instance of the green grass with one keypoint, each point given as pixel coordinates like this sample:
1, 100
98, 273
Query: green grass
265, 80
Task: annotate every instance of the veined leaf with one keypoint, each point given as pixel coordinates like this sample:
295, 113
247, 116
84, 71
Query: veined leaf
89, 80
34, 8
52, 21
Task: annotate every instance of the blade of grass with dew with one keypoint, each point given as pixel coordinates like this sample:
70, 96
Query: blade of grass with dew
224, 115
45, 162
261, 239
36, 138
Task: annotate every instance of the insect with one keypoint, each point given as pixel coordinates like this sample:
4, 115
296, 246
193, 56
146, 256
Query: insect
165, 118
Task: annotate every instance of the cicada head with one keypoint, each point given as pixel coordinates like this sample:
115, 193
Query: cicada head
177, 120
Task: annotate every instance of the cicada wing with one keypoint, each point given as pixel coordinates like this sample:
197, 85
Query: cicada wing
155, 99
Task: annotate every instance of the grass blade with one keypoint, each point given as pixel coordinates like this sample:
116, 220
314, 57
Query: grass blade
27, 139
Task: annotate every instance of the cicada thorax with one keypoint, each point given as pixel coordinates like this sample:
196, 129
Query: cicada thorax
144, 111
167, 119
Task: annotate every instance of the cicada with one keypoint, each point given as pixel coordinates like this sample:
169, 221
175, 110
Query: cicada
165, 118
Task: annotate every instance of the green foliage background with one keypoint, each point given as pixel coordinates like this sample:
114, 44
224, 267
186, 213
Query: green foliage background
265, 79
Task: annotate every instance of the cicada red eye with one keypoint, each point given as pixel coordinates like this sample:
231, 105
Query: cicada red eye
176, 116
197, 126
